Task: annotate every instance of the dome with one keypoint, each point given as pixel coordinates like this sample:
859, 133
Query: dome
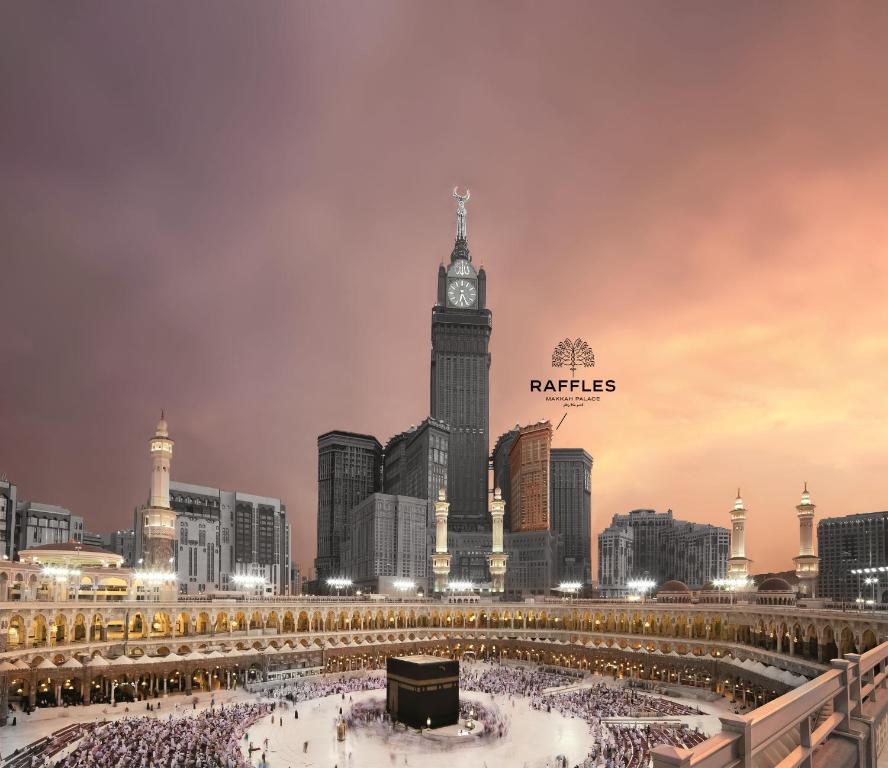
674, 586
774, 585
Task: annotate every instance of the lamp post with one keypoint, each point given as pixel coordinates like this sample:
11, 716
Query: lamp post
641, 586
571, 588
339, 583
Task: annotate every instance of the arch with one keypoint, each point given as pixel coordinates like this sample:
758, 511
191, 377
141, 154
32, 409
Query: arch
847, 642
16, 635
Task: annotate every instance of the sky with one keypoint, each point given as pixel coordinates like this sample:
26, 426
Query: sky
236, 212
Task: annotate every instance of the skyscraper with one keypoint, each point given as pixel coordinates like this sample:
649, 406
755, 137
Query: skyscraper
415, 462
349, 470
570, 509
460, 378
529, 477
852, 543
500, 462
224, 534
648, 544
386, 541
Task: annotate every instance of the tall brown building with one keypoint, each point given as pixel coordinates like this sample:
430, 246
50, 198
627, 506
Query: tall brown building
529, 478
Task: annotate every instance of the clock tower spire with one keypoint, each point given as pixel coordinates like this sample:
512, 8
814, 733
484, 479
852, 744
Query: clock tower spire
460, 376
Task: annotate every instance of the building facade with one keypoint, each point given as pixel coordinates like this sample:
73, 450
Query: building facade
349, 470
226, 534
529, 477
460, 379
570, 509
849, 543
123, 543
387, 538
37, 523
615, 560
646, 544
8, 501
499, 461
532, 565
415, 461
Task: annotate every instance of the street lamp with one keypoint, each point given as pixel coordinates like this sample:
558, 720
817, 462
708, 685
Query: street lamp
339, 583
641, 586
872, 581
570, 587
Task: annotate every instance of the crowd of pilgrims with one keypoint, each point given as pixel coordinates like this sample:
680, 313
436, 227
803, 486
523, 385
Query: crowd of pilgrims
209, 739
602, 701
616, 745
319, 687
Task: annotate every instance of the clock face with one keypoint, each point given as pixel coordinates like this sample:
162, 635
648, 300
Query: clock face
462, 293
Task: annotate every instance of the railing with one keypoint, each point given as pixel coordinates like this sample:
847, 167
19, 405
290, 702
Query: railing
807, 717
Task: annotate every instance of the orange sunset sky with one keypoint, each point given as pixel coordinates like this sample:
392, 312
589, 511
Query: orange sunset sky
237, 214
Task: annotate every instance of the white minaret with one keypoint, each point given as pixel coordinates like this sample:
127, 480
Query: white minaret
158, 520
496, 560
440, 558
738, 563
807, 563
161, 457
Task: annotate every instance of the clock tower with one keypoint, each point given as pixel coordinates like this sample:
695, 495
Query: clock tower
460, 377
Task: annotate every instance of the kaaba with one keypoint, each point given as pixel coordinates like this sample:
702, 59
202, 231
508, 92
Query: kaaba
420, 689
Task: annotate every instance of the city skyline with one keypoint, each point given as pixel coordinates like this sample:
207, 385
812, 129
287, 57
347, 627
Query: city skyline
264, 273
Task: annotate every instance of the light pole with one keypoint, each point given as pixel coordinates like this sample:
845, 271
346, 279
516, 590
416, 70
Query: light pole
872, 581
571, 588
339, 583
641, 586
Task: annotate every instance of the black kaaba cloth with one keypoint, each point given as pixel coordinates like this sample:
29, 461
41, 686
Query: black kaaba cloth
419, 688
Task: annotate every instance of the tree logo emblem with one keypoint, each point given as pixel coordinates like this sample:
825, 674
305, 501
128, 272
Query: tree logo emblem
572, 354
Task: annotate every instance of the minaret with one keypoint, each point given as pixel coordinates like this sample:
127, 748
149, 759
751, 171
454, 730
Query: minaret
440, 558
158, 520
496, 560
738, 563
807, 563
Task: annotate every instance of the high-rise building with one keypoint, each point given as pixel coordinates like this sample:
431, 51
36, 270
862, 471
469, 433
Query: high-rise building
295, 580
570, 508
387, 541
122, 543
37, 523
529, 476
415, 461
460, 373
648, 527
92, 539
349, 470
499, 460
615, 560
696, 553
851, 543
646, 544
221, 535
533, 563
8, 501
